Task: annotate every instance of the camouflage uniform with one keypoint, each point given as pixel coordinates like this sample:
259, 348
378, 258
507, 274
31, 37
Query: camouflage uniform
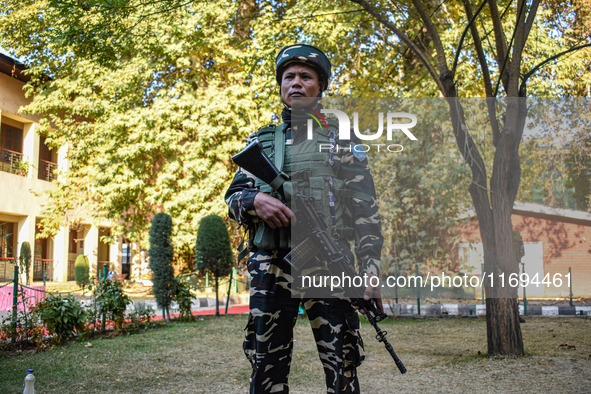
274, 306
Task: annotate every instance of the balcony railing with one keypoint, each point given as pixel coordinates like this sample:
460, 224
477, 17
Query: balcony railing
47, 170
7, 268
41, 266
71, 270
12, 162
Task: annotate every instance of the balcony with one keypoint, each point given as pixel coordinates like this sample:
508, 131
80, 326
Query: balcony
71, 270
7, 268
41, 268
13, 162
47, 170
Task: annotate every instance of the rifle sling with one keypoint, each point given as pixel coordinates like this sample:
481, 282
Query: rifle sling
278, 181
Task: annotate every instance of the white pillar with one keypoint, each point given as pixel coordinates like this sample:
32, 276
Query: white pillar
91, 248
60, 255
115, 256
31, 143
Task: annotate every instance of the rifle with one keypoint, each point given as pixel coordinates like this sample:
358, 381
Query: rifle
319, 245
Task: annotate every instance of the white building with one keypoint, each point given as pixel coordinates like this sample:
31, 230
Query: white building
27, 169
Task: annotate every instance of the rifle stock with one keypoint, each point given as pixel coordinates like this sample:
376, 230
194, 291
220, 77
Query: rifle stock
254, 160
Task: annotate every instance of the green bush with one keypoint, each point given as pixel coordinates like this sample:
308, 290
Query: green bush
25, 259
213, 251
161, 254
62, 315
140, 317
82, 271
111, 301
184, 299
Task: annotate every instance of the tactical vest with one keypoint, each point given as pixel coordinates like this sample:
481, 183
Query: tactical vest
311, 174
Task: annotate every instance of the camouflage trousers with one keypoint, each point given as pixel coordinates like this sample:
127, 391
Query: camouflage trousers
268, 340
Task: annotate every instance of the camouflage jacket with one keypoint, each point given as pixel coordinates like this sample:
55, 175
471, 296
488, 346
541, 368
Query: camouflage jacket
354, 171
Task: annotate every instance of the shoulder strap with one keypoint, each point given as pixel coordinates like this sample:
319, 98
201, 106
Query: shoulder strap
280, 146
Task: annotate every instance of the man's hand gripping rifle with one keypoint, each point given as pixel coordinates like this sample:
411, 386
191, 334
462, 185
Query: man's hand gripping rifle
319, 245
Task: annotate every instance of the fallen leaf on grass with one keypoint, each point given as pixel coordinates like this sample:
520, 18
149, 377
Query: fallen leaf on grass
88, 344
568, 346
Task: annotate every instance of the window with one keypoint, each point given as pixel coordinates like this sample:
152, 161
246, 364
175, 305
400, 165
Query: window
7, 239
47, 161
12, 138
11, 148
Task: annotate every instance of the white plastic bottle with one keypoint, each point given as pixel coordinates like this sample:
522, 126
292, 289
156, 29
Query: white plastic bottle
29, 383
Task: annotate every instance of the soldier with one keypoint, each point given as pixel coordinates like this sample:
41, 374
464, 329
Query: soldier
347, 200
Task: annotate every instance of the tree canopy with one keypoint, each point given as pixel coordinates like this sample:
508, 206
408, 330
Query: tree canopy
154, 97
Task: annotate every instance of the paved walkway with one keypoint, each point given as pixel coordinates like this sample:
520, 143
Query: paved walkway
233, 310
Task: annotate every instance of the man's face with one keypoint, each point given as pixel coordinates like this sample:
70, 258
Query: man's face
300, 85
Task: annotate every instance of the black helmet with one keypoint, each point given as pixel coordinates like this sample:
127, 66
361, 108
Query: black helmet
306, 54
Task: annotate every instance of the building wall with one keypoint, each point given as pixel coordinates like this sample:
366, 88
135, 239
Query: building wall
12, 97
564, 242
22, 197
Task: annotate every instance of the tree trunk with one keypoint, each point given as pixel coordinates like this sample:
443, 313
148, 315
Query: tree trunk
503, 331
494, 219
503, 328
217, 300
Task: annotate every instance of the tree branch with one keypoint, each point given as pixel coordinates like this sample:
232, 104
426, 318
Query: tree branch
441, 60
469, 26
522, 28
541, 64
492, 112
500, 40
404, 38
469, 151
513, 74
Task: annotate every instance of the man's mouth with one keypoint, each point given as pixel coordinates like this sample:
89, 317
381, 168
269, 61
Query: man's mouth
296, 94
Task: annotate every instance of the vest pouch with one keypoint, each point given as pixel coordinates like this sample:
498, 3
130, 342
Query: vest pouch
344, 210
341, 224
267, 238
318, 190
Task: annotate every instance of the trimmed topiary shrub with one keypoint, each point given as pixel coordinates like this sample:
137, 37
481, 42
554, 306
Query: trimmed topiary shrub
161, 254
82, 271
213, 252
25, 259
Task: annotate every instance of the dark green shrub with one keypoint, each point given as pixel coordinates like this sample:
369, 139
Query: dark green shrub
111, 301
213, 251
140, 317
82, 271
161, 254
25, 259
62, 315
184, 299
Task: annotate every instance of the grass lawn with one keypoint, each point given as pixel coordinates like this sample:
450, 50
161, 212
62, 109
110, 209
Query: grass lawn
441, 355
